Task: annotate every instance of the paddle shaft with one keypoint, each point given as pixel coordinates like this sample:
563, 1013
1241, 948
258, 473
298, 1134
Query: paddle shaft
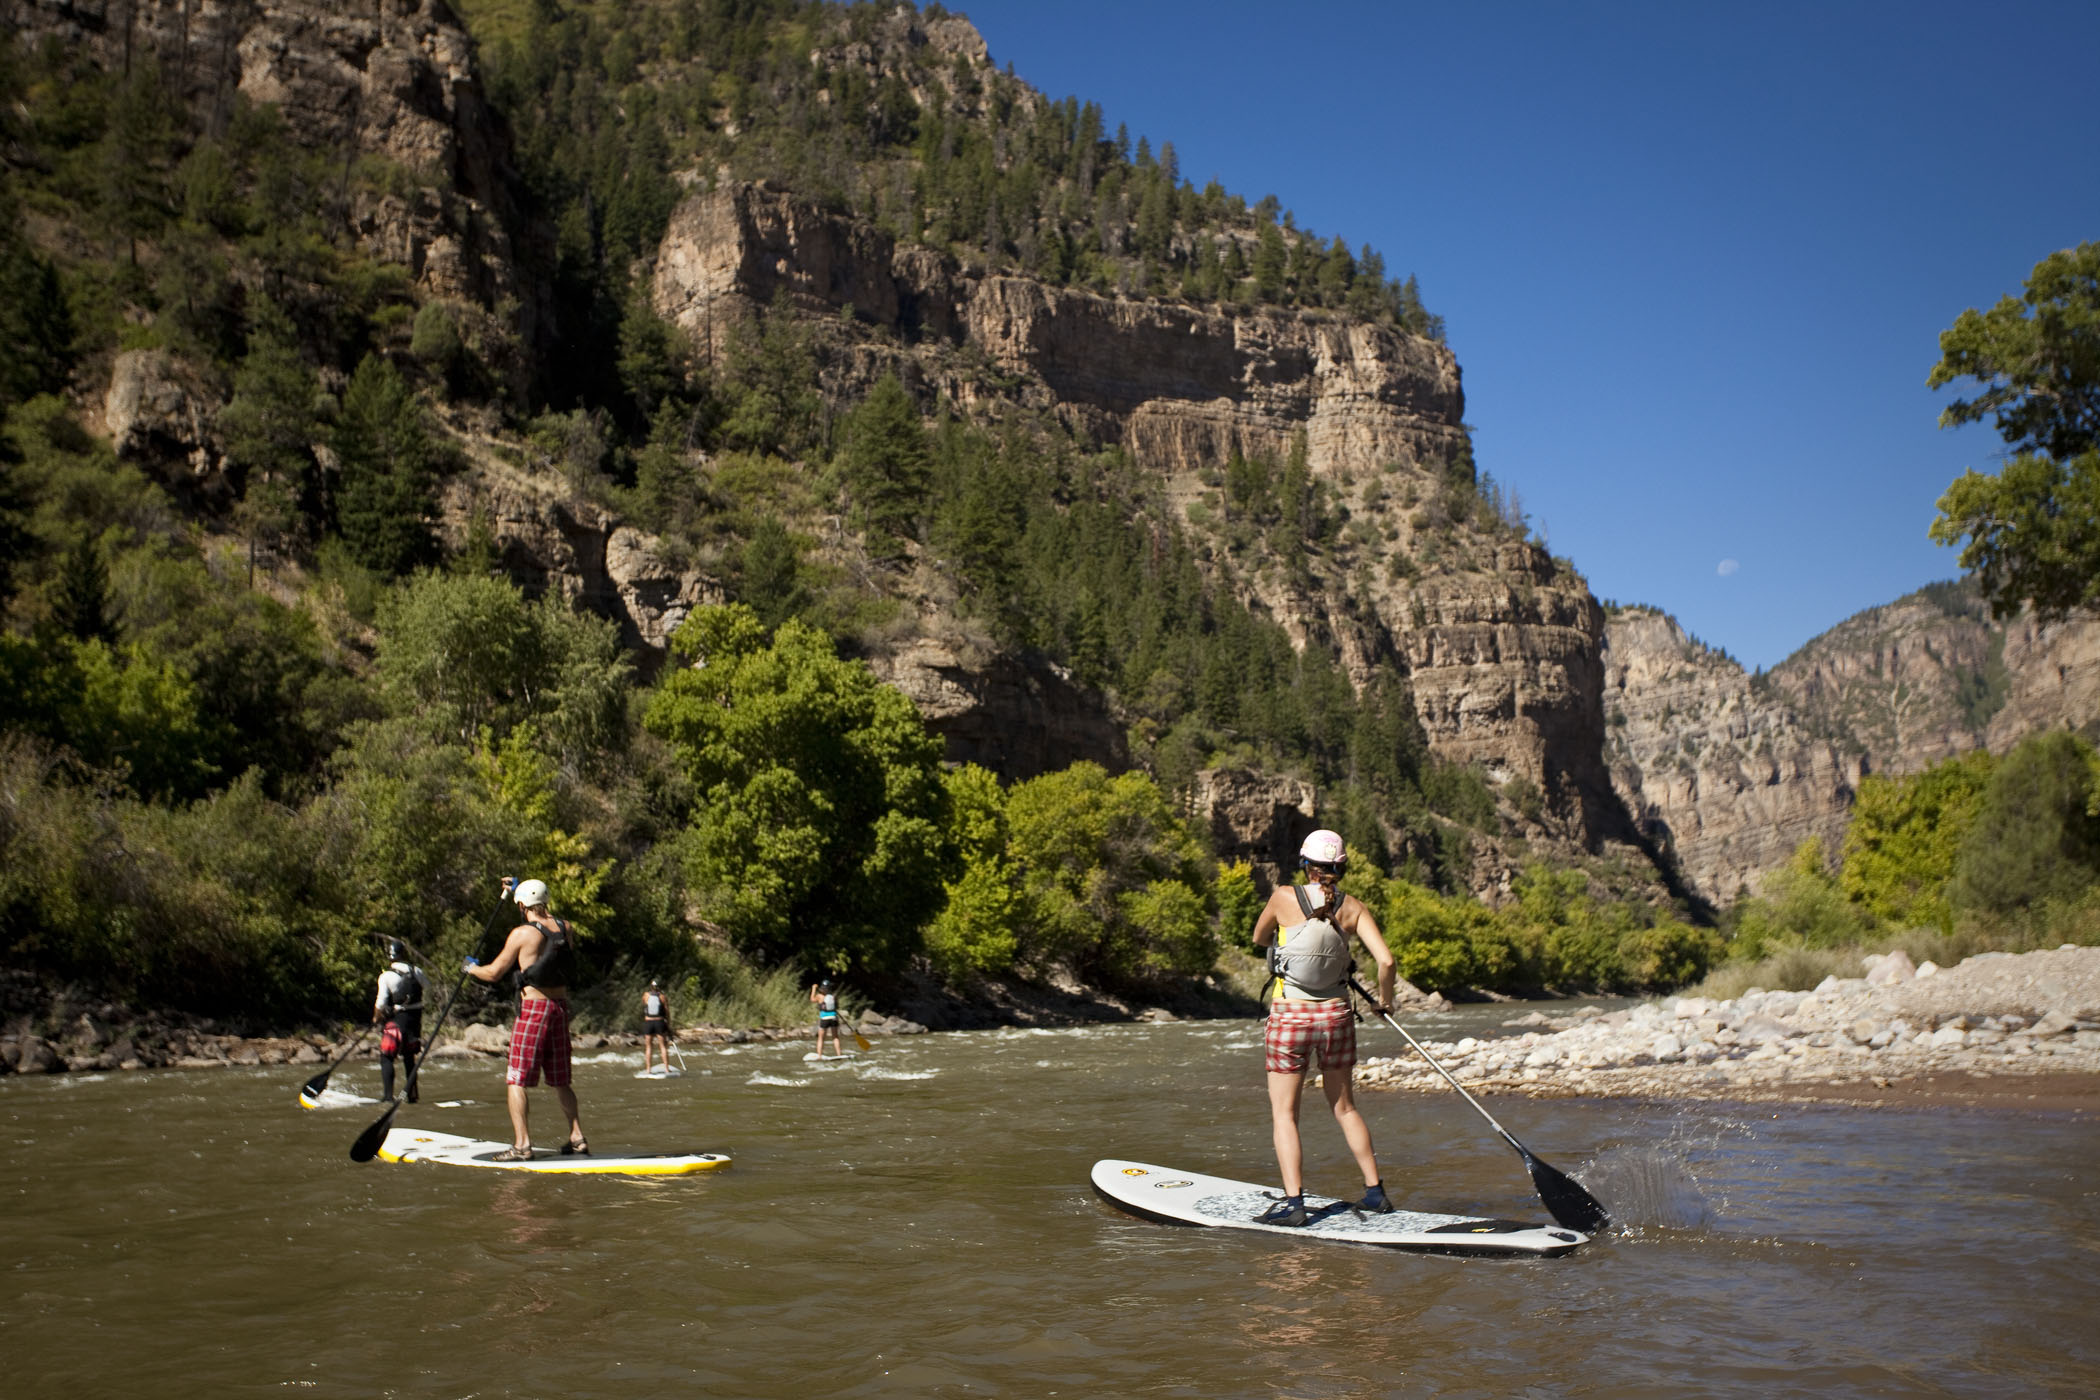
1386, 1017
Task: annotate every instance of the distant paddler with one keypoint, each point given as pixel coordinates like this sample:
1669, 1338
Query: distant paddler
1307, 926
398, 1012
825, 998
543, 951
656, 1027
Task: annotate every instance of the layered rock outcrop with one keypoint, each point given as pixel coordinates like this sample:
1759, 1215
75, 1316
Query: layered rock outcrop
1260, 818
1726, 780
391, 80
1498, 640
1020, 716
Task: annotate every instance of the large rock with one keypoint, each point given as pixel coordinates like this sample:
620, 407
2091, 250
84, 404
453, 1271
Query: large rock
1020, 716
160, 412
489, 1040
1253, 816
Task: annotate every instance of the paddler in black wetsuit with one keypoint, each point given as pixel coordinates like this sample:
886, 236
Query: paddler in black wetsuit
398, 1012
543, 951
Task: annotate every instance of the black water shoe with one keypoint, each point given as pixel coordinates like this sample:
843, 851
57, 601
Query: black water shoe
1375, 1202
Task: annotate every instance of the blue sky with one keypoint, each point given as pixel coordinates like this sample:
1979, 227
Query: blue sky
1694, 259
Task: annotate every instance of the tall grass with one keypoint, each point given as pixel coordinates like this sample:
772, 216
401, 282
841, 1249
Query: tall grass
720, 989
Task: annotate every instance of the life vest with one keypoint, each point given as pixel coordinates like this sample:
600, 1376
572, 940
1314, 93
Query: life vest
556, 964
1312, 959
402, 993
653, 1006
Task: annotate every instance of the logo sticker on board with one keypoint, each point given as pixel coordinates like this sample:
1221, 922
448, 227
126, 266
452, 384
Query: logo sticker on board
1135, 1171
1170, 1185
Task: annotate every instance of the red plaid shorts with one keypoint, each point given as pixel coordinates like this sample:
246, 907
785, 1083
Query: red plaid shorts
392, 1042
539, 1041
1298, 1028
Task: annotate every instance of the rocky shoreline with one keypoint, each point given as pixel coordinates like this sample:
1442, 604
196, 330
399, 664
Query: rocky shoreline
102, 1037
1997, 1016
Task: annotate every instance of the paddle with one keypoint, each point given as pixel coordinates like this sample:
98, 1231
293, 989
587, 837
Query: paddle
1565, 1200
368, 1142
318, 1085
858, 1038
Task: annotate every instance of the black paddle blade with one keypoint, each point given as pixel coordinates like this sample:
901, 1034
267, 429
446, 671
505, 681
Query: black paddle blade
1566, 1201
316, 1086
368, 1142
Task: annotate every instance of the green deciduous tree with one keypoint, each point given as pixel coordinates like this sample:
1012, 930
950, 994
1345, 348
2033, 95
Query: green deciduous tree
1905, 835
2036, 837
2033, 530
819, 831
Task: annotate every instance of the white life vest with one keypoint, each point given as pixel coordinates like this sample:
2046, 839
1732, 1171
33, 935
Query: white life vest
1311, 960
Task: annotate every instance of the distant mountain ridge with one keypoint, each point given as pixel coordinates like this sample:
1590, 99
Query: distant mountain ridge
1730, 771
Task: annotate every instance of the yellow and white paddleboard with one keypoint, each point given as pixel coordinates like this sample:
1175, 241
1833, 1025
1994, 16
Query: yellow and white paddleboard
452, 1150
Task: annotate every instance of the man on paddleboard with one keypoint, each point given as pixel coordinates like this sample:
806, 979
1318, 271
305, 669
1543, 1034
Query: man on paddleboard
543, 951
398, 1012
1308, 927
656, 1027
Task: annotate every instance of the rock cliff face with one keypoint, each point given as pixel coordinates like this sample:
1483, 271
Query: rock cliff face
1725, 779
393, 80
1732, 772
1499, 642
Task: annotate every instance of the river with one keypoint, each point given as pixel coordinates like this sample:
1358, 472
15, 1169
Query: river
918, 1223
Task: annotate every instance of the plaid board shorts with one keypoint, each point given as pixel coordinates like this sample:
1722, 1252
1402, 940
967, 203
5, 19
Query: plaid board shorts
392, 1042
1299, 1028
539, 1041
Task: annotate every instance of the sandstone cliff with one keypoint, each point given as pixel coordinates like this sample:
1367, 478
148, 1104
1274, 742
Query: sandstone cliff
1732, 771
1726, 779
1499, 641
393, 81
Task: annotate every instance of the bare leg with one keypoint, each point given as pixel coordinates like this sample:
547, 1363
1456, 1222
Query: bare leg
568, 1106
520, 1135
1284, 1092
1354, 1128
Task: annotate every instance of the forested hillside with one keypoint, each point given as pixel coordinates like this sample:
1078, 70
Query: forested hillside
291, 323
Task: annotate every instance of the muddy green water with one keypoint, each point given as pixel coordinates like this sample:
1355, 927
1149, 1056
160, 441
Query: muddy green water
918, 1223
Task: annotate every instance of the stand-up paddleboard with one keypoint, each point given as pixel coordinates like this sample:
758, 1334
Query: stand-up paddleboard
659, 1074
813, 1056
452, 1150
1191, 1198
343, 1098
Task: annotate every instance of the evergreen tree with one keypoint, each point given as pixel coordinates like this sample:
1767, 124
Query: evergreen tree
387, 494
885, 462
80, 601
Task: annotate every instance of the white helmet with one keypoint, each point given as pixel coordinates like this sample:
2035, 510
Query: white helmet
1324, 847
531, 895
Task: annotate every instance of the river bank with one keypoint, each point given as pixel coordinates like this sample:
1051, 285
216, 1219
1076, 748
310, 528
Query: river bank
2000, 1027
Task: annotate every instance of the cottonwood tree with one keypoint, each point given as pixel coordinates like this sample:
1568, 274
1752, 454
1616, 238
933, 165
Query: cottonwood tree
2033, 529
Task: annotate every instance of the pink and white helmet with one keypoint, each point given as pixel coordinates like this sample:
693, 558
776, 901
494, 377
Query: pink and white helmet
1324, 847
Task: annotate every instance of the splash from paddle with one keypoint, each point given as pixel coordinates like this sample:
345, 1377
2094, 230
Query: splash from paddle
1565, 1199
318, 1085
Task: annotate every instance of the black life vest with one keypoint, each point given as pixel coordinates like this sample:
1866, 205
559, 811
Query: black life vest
404, 1002
556, 964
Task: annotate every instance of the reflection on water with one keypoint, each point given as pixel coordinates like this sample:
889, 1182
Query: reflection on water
918, 1222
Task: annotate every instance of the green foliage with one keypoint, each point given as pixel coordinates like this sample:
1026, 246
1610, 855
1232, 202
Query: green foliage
1239, 903
1906, 832
1802, 906
1117, 884
818, 832
884, 461
2033, 529
2036, 838
387, 460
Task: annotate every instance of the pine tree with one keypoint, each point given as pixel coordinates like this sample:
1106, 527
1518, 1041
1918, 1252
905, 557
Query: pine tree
387, 492
885, 460
80, 602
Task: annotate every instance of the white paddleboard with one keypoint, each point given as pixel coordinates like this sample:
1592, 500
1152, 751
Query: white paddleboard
659, 1073
814, 1056
1191, 1198
452, 1150
333, 1097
